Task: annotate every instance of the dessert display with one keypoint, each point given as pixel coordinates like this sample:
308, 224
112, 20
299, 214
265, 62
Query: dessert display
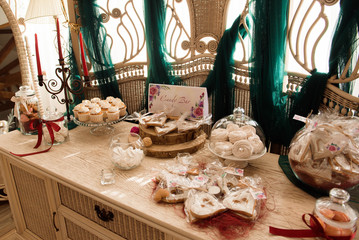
166, 136
126, 150
325, 153
237, 137
96, 110
335, 216
26, 110
58, 126
208, 189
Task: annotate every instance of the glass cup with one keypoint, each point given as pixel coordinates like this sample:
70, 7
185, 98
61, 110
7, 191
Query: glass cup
107, 176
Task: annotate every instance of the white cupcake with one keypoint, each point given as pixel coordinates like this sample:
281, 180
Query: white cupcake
84, 114
121, 106
95, 100
113, 114
86, 102
104, 107
92, 105
110, 99
76, 109
96, 115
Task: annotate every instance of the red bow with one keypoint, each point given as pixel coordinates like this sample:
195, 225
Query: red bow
51, 127
316, 230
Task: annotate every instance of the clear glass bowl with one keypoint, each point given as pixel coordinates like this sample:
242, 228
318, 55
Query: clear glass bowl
237, 137
323, 156
126, 150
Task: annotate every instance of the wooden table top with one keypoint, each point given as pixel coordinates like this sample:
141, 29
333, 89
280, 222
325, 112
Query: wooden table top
79, 161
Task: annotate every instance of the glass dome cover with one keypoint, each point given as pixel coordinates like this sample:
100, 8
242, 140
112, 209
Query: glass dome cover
237, 137
337, 218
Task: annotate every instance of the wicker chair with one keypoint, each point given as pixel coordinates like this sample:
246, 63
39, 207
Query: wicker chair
207, 24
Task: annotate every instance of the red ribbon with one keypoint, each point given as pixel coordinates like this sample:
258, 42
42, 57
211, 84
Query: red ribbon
316, 230
51, 127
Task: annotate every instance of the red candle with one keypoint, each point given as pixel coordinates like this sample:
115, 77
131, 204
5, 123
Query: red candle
39, 72
58, 38
84, 66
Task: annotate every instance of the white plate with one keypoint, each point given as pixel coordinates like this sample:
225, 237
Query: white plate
233, 158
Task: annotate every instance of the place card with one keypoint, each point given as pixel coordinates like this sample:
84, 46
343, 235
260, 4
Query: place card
178, 100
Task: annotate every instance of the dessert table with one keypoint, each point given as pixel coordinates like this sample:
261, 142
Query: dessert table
58, 194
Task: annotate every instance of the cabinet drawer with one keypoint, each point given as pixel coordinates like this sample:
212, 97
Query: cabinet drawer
75, 232
121, 224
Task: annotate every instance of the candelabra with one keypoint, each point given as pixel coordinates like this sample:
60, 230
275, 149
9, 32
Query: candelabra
55, 87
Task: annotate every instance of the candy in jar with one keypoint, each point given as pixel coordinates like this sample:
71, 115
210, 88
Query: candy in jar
27, 110
58, 123
334, 214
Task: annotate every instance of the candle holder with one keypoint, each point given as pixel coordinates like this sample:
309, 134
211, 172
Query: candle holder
54, 87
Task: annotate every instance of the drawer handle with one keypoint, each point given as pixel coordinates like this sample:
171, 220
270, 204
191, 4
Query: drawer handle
53, 221
103, 215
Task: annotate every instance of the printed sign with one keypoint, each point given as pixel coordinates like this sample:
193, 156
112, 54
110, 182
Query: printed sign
177, 100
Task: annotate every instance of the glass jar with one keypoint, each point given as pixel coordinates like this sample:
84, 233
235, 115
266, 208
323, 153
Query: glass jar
27, 110
336, 217
53, 117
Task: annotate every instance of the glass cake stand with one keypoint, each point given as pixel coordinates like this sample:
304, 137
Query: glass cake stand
103, 128
241, 162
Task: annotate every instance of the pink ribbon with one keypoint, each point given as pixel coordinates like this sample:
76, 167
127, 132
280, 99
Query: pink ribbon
51, 127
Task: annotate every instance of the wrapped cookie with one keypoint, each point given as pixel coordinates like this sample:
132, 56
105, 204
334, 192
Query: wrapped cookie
325, 153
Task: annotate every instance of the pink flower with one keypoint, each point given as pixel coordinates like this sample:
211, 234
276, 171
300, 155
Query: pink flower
135, 130
153, 90
333, 148
198, 112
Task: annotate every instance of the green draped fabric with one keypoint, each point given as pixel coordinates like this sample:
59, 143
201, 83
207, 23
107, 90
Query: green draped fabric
343, 44
159, 68
267, 71
219, 82
94, 35
306, 101
345, 40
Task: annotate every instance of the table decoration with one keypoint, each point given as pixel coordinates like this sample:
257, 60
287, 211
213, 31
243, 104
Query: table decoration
324, 154
194, 180
26, 110
237, 138
332, 219
102, 128
55, 87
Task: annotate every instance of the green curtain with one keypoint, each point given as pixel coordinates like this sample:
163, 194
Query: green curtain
94, 35
267, 71
344, 43
159, 69
345, 40
219, 82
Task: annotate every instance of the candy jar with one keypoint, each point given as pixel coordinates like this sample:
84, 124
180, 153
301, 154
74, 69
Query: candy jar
335, 216
26, 108
58, 123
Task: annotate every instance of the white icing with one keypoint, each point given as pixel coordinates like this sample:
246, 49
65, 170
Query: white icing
84, 110
95, 111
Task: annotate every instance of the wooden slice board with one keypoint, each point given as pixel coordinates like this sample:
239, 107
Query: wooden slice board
170, 151
169, 138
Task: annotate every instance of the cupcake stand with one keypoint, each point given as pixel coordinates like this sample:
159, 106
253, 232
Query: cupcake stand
103, 128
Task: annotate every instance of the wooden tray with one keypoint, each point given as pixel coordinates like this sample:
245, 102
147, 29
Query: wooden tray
169, 138
170, 151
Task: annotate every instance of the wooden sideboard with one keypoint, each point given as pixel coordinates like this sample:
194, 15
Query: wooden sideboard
54, 195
